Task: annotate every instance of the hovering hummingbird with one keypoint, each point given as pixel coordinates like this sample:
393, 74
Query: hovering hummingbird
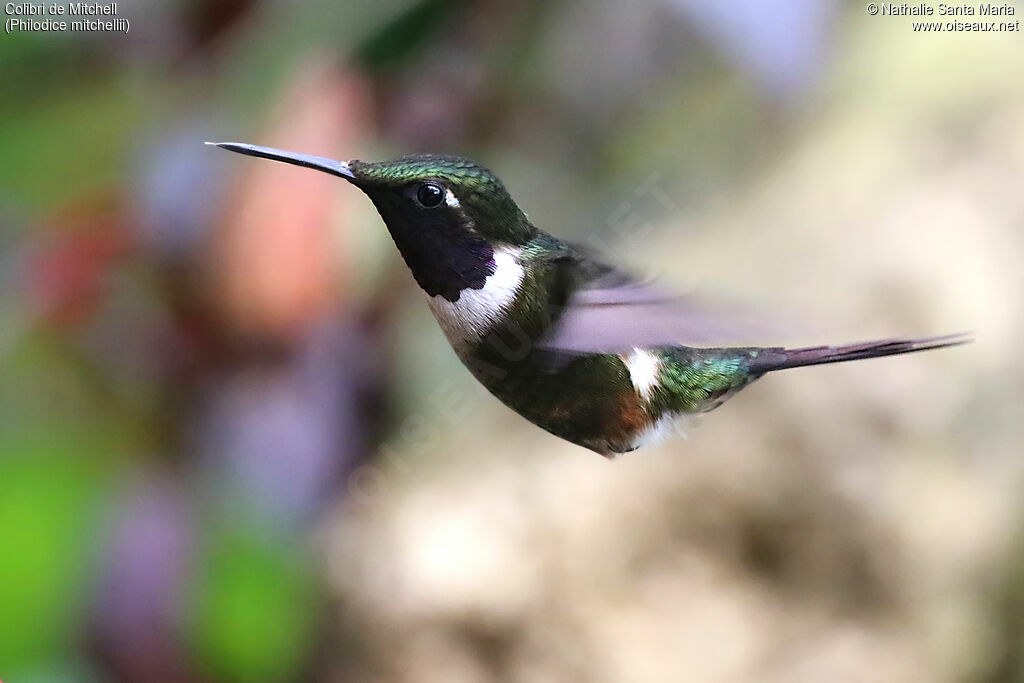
570, 343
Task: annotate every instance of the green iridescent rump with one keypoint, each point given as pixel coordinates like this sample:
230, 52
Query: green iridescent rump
694, 380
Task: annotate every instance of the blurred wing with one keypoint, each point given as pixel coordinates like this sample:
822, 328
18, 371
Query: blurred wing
610, 312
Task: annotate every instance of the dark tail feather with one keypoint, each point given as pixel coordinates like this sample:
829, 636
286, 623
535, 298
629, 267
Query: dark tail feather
780, 359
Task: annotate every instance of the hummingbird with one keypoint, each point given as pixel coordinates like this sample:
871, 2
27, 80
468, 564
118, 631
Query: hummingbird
573, 344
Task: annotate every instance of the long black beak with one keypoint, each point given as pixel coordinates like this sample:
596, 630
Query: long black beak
338, 168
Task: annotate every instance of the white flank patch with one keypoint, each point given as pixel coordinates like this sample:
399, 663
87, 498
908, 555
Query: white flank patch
450, 199
643, 369
476, 312
668, 425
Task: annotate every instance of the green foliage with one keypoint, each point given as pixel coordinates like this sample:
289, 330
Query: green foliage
49, 505
254, 607
406, 35
45, 159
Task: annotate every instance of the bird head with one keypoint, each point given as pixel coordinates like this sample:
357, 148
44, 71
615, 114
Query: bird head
446, 214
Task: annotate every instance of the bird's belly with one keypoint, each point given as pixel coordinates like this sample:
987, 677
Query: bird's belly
590, 400
609, 403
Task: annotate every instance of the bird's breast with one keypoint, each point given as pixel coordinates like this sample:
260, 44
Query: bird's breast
476, 312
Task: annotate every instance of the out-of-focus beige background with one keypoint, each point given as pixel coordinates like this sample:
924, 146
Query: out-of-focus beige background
234, 445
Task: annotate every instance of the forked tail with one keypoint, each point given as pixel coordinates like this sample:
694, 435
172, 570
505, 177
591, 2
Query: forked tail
780, 359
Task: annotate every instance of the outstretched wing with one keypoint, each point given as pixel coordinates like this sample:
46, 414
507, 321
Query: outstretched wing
608, 311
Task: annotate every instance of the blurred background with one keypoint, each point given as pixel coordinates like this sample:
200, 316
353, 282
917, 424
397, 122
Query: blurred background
234, 446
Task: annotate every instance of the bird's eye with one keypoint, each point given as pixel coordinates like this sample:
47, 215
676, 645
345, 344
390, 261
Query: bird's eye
429, 195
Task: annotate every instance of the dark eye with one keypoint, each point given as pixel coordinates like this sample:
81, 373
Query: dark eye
429, 195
